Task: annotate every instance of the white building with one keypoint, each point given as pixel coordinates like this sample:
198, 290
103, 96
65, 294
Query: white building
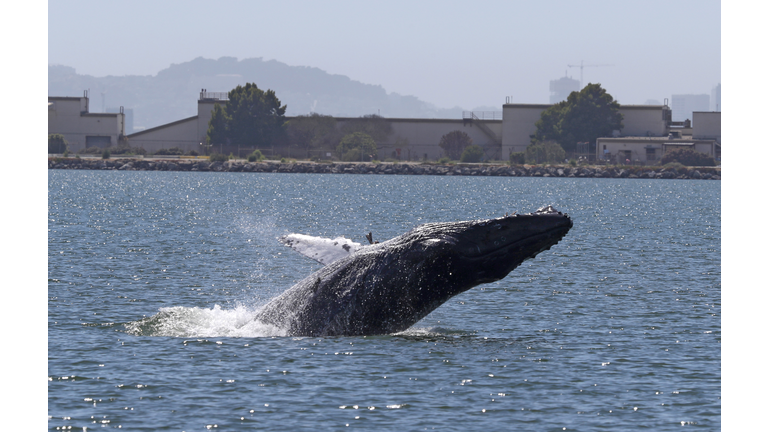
70, 117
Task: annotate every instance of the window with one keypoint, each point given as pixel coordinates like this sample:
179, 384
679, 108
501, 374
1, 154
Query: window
650, 154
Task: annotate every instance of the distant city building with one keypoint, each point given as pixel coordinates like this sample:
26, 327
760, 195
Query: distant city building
128, 117
683, 106
560, 89
715, 101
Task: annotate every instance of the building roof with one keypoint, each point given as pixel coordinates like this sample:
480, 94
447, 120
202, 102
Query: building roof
161, 126
73, 98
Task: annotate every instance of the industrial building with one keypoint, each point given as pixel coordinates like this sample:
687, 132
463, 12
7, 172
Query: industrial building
70, 117
647, 133
703, 135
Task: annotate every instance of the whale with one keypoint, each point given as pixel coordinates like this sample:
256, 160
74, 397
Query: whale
386, 287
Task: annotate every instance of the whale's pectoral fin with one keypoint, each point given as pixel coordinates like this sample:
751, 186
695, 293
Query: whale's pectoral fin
322, 250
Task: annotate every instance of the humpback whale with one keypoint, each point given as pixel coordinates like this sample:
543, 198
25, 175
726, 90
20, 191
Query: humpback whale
387, 287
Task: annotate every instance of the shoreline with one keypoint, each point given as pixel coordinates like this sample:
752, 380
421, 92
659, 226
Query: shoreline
387, 168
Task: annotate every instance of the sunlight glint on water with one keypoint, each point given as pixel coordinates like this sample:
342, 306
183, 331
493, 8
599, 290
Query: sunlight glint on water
154, 278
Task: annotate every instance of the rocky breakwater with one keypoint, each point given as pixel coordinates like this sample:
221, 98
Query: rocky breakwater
387, 168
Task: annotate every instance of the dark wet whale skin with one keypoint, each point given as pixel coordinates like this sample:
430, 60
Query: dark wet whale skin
387, 287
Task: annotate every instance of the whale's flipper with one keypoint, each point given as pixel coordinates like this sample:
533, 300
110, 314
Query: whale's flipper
322, 250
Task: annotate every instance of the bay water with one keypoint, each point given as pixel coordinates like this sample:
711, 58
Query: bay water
617, 327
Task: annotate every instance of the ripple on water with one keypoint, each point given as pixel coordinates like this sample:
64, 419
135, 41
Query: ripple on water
154, 279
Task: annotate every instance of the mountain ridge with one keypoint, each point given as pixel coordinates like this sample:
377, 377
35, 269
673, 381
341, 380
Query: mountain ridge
170, 95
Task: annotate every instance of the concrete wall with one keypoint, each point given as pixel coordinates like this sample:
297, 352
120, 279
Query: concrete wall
645, 120
706, 125
186, 134
69, 116
181, 133
423, 136
518, 126
204, 114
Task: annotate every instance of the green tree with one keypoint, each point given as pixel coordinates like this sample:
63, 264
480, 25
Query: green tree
57, 144
314, 131
375, 126
544, 152
251, 117
217, 126
454, 143
472, 153
353, 145
585, 116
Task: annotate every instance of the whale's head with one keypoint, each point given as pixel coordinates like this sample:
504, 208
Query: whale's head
469, 253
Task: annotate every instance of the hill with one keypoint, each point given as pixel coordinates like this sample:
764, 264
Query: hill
172, 93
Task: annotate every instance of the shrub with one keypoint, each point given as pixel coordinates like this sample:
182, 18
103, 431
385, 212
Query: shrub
547, 151
454, 143
444, 160
351, 156
688, 157
173, 151
572, 162
105, 154
217, 157
472, 153
57, 144
351, 146
256, 156
91, 150
194, 153
121, 149
516, 158
282, 160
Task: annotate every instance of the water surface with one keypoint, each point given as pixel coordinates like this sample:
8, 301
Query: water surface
617, 327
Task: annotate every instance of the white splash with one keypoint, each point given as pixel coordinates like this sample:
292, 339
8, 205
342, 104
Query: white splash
180, 321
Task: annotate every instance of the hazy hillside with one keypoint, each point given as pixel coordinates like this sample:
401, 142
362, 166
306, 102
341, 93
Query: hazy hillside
172, 93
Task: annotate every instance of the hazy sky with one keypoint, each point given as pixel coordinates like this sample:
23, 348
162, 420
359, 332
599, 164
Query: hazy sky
449, 53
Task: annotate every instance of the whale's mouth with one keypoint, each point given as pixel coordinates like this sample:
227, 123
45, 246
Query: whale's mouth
527, 247
519, 234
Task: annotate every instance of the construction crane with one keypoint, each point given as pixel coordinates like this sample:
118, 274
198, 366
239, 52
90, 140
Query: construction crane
581, 72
